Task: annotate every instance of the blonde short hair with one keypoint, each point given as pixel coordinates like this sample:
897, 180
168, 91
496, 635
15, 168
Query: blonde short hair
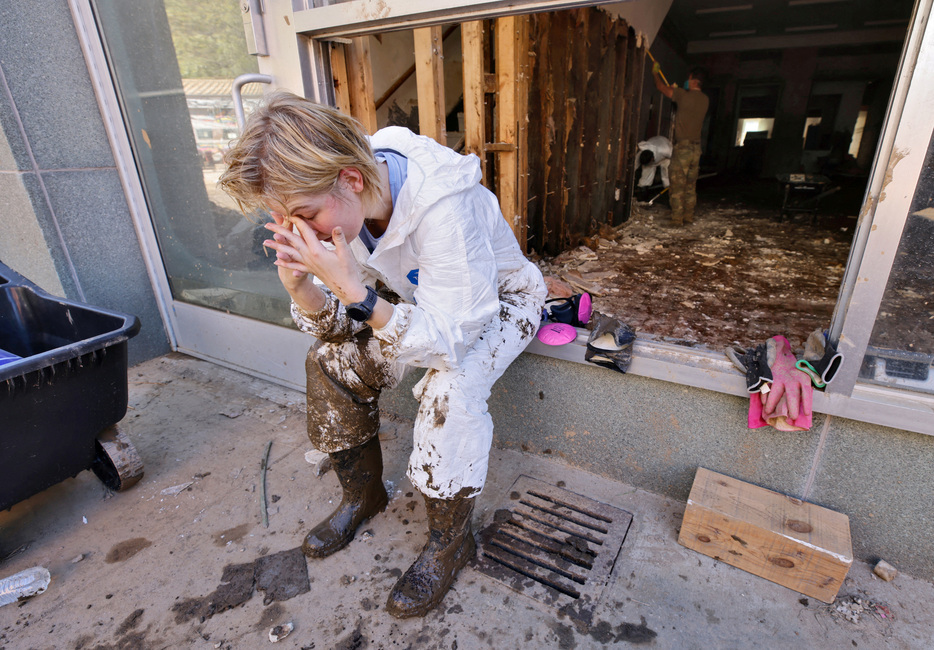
290, 145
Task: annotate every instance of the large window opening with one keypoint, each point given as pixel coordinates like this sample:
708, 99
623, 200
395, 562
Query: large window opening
788, 146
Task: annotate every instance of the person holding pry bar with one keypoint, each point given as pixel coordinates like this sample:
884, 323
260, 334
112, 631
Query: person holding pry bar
685, 156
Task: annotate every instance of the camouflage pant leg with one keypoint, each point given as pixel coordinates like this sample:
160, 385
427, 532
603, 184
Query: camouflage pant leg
685, 161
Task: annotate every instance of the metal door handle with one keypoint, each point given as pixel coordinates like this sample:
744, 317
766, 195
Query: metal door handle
238, 84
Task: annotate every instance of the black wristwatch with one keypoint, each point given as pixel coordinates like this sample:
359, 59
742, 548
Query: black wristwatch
362, 311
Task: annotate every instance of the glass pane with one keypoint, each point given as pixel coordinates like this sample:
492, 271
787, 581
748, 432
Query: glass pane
901, 349
174, 62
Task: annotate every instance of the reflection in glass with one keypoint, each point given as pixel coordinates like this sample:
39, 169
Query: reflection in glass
174, 63
901, 349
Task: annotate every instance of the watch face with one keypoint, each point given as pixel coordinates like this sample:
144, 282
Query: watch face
356, 312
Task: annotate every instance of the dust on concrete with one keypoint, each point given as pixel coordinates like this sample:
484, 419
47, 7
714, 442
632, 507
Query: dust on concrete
231, 535
126, 549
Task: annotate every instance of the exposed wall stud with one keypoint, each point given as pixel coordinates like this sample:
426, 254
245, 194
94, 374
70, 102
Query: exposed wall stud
429, 75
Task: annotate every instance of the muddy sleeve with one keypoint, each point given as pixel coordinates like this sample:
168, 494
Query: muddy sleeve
330, 324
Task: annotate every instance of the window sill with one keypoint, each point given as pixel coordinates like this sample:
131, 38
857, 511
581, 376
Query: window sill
704, 368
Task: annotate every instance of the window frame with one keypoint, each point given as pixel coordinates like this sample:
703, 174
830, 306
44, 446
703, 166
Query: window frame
894, 177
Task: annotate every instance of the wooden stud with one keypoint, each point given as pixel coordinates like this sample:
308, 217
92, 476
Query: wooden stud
429, 76
617, 119
594, 105
575, 111
535, 157
556, 134
506, 118
360, 75
793, 543
523, 79
606, 145
341, 81
472, 48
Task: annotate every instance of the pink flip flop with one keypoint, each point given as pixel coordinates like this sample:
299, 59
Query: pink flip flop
556, 333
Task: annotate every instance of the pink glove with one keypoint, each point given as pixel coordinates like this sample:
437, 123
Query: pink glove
787, 406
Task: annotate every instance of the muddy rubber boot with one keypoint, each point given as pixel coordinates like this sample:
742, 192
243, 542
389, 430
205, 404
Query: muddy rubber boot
360, 472
450, 546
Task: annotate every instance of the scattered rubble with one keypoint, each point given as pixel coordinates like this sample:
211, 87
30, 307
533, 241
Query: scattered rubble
736, 276
885, 571
854, 608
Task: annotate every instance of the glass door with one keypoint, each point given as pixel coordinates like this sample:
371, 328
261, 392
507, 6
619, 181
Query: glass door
172, 66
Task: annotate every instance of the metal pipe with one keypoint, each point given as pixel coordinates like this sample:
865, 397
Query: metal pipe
238, 85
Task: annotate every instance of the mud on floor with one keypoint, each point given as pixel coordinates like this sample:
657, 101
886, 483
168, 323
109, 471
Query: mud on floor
736, 276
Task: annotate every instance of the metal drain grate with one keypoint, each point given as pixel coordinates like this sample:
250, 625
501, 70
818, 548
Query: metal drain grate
553, 545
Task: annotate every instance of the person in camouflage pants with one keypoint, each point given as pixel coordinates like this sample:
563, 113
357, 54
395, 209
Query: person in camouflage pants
685, 161
685, 157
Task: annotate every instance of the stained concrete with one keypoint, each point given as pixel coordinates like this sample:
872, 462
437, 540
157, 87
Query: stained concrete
195, 422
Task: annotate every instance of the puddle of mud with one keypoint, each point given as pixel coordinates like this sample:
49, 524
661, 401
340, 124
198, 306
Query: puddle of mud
280, 576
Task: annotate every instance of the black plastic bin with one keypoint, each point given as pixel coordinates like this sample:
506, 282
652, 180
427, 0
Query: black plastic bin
63, 389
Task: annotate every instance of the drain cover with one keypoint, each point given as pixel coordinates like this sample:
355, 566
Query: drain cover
554, 545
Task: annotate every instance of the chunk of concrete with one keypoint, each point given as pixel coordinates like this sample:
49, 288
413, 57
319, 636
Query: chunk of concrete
320, 462
885, 571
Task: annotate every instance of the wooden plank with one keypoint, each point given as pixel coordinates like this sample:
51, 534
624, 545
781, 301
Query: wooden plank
793, 543
341, 82
617, 117
601, 167
576, 223
474, 100
506, 118
523, 80
538, 44
633, 86
556, 79
592, 139
633, 142
360, 76
429, 77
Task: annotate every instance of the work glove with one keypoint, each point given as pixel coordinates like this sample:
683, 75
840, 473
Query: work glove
610, 343
656, 68
753, 364
787, 404
821, 359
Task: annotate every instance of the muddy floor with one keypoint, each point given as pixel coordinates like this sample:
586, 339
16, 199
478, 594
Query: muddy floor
738, 275
183, 560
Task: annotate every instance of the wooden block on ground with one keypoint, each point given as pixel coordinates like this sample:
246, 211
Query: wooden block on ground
795, 544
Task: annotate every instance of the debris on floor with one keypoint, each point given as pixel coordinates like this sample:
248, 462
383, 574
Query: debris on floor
885, 571
279, 632
735, 276
853, 608
320, 462
24, 584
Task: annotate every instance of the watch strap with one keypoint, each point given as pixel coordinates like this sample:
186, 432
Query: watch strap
361, 311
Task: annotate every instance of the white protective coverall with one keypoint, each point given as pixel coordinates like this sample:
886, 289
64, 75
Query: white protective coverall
470, 303
660, 146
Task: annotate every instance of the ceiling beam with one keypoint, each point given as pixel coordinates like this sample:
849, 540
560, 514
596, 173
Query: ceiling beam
785, 41
358, 17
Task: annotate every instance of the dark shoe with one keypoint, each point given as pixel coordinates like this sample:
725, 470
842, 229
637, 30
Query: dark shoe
360, 472
450, 546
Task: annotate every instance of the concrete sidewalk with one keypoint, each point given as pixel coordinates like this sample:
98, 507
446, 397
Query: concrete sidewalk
139, 569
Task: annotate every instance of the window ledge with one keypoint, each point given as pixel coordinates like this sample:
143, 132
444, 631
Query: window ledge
704, 368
